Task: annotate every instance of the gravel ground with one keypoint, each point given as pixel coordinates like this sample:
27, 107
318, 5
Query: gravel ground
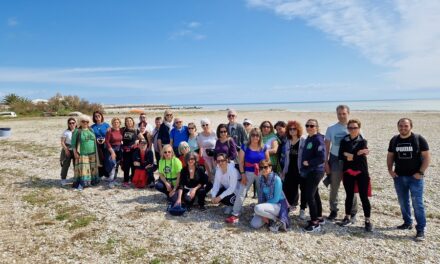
40, 222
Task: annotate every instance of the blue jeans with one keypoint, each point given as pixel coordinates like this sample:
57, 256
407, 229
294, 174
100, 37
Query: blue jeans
404, 186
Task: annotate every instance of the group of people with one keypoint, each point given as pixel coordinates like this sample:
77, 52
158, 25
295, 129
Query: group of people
283, 163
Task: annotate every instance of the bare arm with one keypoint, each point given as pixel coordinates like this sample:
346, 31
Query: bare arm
426, 160
390, 162
274, 147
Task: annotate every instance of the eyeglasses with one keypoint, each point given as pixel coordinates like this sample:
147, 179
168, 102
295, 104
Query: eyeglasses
71, 123
231, 115
255, 135
205, 125
223, 131
221, 160
265, 167
246, 124
310, 126
292, 129
353, 128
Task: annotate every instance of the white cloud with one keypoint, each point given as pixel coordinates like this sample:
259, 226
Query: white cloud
190, 30
12, 22
401, 34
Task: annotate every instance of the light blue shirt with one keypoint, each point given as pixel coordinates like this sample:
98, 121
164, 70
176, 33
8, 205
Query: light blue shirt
335, 134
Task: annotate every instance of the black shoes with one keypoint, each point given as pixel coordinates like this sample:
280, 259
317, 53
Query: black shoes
332, 216
405, 226
368, 226
420, 236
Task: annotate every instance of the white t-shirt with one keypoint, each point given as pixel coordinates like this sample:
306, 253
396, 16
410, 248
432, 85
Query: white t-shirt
206, 142
67, 134
335, 134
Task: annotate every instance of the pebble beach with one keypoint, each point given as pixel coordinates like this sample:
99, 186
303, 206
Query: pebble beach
41, 222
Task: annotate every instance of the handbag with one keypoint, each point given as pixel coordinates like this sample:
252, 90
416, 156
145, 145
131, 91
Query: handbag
140, 178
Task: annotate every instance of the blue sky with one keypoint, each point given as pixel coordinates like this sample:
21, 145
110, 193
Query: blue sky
220, 51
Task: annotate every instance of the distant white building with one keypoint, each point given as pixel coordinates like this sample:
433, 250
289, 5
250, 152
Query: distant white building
37, 101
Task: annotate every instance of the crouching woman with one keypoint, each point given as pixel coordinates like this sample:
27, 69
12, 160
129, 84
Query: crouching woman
272, 207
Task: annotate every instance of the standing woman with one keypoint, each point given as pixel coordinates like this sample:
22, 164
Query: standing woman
291, 175
225, 143
163, 137
129, 141
193, 183
169, 172
66, 155
86, 155
192, 138
100, 129
312, 169
352, 152
249, 156
145, 134
113, 140
206, 140
270, 141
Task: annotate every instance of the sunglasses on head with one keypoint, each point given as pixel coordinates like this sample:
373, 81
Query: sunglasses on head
310, 126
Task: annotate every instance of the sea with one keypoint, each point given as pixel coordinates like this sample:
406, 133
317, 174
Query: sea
409, 105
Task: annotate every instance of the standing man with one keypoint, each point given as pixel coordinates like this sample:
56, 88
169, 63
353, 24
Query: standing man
236, 130
409, 153
143, 118
178, 134
247, 124
333, 165
157, 122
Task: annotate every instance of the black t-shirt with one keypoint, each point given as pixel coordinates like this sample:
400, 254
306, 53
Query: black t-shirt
164, 134
129, 136
293, 160
407, 156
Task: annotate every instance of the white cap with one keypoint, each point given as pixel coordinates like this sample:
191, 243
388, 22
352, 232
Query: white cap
247, 121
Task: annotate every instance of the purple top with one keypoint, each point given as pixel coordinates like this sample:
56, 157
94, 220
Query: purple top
251, 156
229, 148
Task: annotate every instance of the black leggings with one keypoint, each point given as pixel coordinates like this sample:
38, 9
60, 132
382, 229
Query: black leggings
227, 200
291, 185
312, 181
127, 165
200, 194
362, 182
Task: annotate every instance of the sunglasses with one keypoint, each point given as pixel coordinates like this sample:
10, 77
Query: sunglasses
166, 152
353, 128
220, 161
310, 126
178, 122
191, 127
71, 123
223, 131
193, 159
265, 167
231, 115
292, 129
265, 126
205, 125
84, 121
255, 135
246, 124
169, 115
